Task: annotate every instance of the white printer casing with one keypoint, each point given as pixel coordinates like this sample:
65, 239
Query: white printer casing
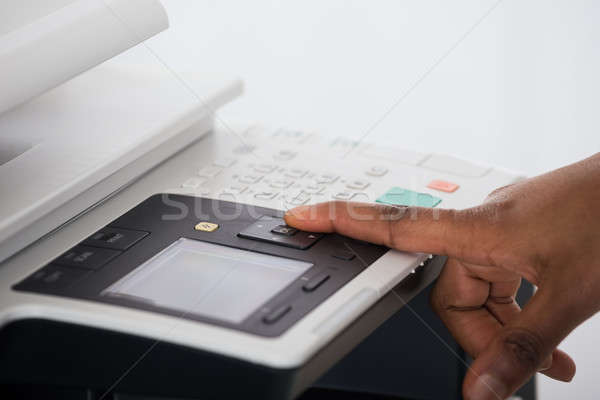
100, 144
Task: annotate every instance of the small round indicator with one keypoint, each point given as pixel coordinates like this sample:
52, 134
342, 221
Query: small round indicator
206, 226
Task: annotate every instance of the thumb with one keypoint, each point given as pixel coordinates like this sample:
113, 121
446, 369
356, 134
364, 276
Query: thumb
522, 348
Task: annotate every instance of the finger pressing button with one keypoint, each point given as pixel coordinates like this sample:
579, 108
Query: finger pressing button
284, 230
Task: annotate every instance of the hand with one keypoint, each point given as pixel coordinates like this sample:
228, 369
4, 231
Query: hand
545, 229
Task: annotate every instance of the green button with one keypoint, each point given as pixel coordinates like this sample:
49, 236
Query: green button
398, 196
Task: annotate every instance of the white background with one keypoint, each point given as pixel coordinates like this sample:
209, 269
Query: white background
511, 83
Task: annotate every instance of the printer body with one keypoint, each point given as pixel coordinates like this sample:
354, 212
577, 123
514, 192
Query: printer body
142, 250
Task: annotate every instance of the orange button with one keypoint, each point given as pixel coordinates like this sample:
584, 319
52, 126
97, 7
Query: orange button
443, 186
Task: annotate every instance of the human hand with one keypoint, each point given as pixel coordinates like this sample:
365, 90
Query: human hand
545, 229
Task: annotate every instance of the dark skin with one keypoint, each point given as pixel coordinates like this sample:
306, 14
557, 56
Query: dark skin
544, 229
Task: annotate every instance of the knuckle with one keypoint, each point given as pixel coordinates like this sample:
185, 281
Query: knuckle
498, 213
336, 204
525, 347
464, 220
334, 208
450, 301
490, 232
500, 192
440, 301
392, 214
434, 301
493, 214
501, 299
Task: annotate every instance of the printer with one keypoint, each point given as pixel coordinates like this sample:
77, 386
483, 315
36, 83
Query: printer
142, 248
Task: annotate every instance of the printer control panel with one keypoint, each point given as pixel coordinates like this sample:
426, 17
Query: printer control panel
223, 263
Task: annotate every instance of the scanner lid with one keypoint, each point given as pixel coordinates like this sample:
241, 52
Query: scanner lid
73, 137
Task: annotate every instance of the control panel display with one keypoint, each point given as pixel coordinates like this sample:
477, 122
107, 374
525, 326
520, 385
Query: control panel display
209, 280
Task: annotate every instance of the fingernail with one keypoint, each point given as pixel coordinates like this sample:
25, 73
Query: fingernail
299, 212
546, 364
487, 387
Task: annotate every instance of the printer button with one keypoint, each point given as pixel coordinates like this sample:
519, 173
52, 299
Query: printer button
377, 171
115, 238
51, 277
284, 230
343, 255
284, 155
276, 315
274, 230
315, 282
86, 257
443, 186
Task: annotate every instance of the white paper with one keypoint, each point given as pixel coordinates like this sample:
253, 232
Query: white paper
57, 46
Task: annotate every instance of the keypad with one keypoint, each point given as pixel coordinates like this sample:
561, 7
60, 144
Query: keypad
281, 179
265, 183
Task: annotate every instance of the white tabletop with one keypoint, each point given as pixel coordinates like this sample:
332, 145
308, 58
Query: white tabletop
511, 83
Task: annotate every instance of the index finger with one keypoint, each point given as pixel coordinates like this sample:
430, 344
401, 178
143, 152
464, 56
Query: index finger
462, 234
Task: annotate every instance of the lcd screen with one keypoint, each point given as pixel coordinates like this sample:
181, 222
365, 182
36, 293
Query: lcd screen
208, 280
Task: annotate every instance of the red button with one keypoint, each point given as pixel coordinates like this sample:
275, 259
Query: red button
443, 186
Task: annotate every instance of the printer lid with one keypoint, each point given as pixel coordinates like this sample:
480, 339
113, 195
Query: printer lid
76, 135
69, 118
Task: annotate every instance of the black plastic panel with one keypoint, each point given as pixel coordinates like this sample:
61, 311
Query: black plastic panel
162, 219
